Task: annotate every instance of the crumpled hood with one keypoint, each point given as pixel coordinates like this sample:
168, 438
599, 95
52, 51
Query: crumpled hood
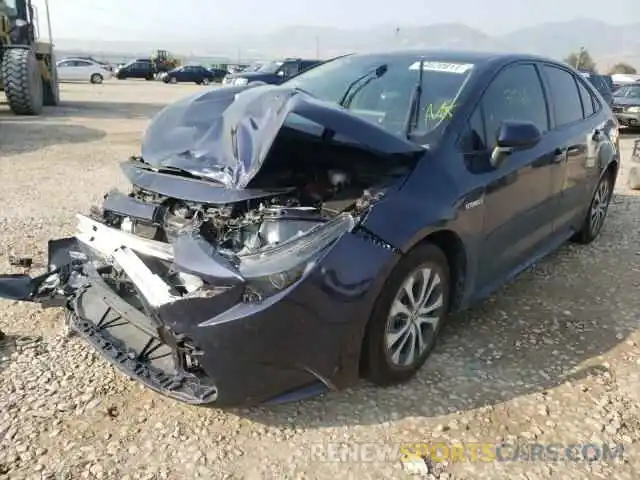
225, 134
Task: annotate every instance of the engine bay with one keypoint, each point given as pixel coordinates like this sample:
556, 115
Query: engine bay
250, 226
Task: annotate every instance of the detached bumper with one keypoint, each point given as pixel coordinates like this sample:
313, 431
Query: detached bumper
210, 346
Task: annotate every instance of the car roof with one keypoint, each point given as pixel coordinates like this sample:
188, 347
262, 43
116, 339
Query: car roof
456, 56
73, 59
79, 59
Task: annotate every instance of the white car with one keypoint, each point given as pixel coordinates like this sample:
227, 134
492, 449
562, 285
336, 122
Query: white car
82, 70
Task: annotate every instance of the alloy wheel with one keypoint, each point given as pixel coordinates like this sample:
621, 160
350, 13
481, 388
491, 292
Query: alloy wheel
599, 206
414, 317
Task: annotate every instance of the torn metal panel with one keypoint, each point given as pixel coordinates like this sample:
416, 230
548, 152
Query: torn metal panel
194, 255
106, 240
116, 247
121, 204
190, 189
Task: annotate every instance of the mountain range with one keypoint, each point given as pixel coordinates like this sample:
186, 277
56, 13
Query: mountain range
607, 44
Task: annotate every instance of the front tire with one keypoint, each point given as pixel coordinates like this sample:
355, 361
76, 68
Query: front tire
597, 212
173, 80
22, 83
205, 81
96, 79
407, 317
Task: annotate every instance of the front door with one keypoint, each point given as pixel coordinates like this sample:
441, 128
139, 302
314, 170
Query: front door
65, 70
518, 201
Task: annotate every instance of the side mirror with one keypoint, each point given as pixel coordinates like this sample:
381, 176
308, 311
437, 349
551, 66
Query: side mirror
513, 136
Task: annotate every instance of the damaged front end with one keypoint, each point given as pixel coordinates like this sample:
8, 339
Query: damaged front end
232, 209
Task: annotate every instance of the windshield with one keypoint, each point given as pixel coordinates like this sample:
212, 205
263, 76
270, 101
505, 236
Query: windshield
271, 67
386, 100
629, 91
254, 67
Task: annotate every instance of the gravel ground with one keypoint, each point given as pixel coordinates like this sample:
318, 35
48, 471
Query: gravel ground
554, 357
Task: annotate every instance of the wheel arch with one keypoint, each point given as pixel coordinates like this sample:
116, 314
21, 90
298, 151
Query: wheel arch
454, 250
612, 169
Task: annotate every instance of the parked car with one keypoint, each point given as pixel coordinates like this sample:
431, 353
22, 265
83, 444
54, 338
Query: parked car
218, 74
137, 69
82, 70
281, 240
273, 73
604, 85
234, 68
626, 105
191, 73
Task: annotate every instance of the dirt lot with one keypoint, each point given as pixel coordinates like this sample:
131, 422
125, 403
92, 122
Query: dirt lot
553, 358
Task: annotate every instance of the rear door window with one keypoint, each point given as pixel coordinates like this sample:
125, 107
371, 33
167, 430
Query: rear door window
565, 95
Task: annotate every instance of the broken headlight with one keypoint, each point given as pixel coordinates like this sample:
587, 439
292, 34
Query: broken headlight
274, 269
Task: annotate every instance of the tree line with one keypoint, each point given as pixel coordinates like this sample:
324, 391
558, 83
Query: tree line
582, 60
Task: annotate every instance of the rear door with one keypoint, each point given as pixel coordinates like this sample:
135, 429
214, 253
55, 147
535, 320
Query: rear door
518, 218
200, 73
84, 70
576, 132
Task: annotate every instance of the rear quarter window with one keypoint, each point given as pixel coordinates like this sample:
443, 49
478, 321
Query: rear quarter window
589, 104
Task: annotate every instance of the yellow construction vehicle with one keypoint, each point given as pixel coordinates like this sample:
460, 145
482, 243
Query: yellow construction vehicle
164, 61
28, 73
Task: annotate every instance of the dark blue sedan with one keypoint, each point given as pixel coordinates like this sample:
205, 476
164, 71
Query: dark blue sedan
194, 74
279, 241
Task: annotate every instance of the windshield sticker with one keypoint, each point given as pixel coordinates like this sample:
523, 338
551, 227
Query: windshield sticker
443, 67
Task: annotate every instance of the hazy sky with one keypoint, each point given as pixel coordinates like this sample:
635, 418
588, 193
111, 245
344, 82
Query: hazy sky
187, 19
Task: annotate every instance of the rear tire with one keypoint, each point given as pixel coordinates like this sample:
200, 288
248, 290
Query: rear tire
386, 356
597, 212
52, 86
205, 81
96, 79
22, 82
